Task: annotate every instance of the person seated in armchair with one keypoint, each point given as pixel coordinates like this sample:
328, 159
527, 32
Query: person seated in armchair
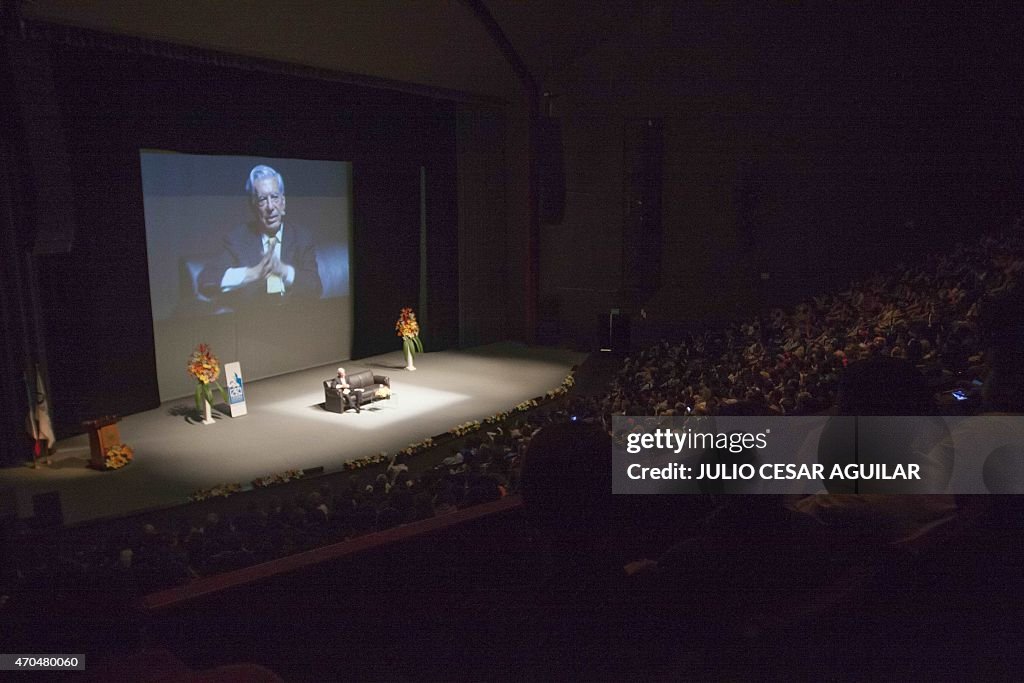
340, 385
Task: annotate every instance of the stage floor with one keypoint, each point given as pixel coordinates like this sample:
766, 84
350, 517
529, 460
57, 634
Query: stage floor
287, 428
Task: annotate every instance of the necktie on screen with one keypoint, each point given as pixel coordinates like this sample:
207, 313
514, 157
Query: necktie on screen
275, 285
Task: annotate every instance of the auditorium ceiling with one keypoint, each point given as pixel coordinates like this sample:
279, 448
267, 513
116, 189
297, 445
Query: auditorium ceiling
549, 36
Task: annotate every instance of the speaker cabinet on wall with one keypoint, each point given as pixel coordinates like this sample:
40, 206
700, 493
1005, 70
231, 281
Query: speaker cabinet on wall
38, 120
642, 229
550, 161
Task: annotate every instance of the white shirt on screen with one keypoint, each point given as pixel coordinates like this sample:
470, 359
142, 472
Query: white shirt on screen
233, 277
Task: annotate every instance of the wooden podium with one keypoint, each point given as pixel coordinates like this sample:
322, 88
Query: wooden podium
103, 433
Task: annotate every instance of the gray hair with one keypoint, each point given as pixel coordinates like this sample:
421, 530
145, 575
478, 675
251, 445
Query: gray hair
260, 172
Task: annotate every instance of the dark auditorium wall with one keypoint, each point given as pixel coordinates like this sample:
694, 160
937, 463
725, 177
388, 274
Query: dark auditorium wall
481, 194
812, 144
581, 258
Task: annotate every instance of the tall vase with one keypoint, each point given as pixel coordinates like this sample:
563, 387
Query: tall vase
208, 413
408, 357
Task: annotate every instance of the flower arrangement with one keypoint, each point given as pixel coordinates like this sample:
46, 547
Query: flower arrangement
274, 479
409, 330
563, 388
360, 463
418, 447
465, 428
218, 491
525, 405
118, 456
205, 368
384, 392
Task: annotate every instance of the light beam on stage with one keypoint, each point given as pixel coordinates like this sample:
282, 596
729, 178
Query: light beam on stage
407, 402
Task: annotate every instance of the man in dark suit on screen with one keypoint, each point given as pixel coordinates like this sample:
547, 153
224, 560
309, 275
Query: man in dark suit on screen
263, 260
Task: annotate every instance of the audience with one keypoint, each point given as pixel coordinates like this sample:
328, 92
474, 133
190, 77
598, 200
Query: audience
791, 362
146, 557
950, 320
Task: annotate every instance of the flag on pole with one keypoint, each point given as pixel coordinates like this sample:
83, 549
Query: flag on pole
40, 426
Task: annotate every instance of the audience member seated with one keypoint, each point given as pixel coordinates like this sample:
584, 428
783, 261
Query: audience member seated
1002, 322
566, 481
579, 536
889, 387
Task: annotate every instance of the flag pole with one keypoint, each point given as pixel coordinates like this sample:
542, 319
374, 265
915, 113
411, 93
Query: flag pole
32, 398
44, 425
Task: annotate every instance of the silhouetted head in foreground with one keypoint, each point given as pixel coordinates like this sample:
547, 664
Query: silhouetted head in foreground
897, 427
567, 479
1002, 325
884, 386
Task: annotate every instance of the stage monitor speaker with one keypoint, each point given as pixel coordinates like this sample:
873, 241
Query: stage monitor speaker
613, 331
38, 120
620, 333
47, 511
550, 168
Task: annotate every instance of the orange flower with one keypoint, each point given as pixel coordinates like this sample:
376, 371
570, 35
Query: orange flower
202, 365
406, 325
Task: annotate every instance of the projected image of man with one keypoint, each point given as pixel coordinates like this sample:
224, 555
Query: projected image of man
265, 259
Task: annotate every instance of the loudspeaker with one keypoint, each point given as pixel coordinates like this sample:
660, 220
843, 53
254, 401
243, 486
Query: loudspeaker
47, 510
642, 240
37, 118
550, 165
620, 333
613, 331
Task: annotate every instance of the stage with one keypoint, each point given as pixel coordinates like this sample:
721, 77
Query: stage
286, 428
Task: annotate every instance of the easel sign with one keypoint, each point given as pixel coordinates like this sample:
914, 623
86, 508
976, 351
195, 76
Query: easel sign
236, 389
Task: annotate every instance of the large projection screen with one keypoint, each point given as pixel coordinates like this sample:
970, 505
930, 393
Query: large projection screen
258, 272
